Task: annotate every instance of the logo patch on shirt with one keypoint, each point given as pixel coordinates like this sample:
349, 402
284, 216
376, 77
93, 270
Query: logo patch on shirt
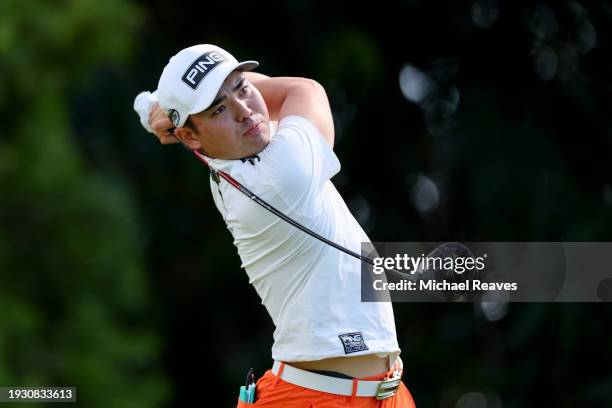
353, 342
251, 159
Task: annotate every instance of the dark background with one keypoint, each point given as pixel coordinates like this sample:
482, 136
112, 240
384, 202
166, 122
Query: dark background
467, 121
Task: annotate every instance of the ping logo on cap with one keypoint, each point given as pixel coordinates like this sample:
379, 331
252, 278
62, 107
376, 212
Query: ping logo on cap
201, 67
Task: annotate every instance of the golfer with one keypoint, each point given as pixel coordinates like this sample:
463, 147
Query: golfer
275, 136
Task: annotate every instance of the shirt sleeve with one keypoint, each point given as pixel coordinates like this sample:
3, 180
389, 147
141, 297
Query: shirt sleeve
304, 142
300, 160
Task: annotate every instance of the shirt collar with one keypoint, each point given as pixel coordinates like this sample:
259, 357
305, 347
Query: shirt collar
227, 165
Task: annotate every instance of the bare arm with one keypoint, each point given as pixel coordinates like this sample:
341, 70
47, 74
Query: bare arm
286, 96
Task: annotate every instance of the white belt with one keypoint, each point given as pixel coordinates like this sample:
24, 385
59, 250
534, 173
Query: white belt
340, 386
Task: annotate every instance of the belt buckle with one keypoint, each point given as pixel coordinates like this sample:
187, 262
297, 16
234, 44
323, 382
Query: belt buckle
388, 388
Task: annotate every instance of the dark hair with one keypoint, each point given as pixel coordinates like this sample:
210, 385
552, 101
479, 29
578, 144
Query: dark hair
190, 125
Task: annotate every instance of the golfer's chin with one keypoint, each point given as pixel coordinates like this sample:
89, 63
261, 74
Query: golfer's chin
258, 144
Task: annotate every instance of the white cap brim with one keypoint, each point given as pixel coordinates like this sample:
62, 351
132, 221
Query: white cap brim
218, 77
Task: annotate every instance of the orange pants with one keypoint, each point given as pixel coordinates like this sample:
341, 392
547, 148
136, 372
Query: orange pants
273, 392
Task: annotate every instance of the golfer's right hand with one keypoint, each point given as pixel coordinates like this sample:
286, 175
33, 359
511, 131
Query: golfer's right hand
161, 125
152, 118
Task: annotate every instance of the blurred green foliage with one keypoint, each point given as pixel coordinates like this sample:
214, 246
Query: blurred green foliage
76, 305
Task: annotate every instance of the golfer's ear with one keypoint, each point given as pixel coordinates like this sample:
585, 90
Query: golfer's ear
188, 137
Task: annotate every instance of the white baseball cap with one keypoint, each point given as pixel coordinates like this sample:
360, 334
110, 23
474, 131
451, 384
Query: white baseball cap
192, 79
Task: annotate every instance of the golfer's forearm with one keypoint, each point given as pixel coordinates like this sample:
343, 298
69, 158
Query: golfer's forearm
275, 90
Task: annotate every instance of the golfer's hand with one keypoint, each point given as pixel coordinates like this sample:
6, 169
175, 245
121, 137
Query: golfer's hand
161, 125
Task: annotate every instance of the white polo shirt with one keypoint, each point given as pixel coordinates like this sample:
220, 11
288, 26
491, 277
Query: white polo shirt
310, 289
